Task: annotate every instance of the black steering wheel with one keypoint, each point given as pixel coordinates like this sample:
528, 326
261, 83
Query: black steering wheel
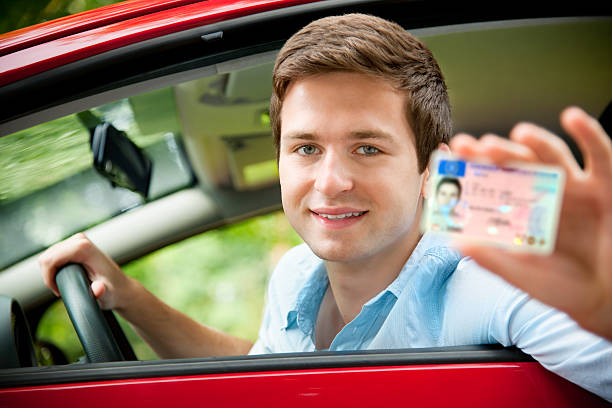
99, 332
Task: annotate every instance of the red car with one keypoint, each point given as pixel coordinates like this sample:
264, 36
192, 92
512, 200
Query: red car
191, 80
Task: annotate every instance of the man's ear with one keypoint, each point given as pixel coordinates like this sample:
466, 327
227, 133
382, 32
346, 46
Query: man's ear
444, 147
425, 186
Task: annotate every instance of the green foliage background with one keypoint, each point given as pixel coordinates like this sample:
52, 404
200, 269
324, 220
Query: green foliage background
15, 14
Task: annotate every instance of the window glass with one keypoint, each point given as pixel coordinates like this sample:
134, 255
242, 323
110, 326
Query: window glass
49, 189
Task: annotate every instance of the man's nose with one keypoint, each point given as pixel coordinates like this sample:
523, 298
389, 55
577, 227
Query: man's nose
333, 175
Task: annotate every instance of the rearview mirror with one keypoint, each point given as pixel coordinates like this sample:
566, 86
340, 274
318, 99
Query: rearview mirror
119, 160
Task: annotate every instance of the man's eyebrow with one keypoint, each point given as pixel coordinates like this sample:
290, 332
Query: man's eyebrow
357, 135
299, 136
372, 134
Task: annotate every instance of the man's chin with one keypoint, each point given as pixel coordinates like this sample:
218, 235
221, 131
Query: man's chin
336, 253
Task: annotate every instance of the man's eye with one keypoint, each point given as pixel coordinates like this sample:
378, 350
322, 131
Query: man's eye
367, 150
307, 150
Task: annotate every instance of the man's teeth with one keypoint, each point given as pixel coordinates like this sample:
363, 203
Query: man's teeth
341, 216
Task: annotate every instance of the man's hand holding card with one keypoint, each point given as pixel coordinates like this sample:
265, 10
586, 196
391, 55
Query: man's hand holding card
577, 276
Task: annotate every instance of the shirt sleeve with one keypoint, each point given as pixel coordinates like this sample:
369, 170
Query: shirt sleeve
286, 280
555, 340
264, 343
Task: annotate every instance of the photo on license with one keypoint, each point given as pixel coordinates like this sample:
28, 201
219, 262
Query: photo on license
515, 207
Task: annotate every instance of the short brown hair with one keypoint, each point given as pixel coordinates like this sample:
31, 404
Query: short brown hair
373, 46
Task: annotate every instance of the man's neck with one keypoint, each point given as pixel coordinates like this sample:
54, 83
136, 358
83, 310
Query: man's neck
354, 283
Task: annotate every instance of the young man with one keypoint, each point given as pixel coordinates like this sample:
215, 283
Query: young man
358, 107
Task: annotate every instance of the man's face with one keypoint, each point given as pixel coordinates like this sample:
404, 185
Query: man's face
447, 194
348, 167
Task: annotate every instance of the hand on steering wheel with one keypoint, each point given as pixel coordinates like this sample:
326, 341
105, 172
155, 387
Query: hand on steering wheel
99, 332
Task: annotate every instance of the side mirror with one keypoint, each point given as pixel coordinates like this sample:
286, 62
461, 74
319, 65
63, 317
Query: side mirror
119, 160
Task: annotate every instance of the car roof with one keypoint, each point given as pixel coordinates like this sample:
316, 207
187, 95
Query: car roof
27, 52
87, 20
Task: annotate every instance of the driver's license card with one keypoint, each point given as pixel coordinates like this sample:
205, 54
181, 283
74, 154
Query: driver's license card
514, 207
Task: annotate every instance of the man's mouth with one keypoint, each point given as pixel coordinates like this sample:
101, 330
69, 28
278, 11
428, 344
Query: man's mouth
341, 216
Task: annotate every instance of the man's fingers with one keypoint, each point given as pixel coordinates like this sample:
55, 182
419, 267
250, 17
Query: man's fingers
548, 147
491, 147
530, 143
592, 140
49, 279
49, 262
98, 288
501, 150
74, 249
463, 145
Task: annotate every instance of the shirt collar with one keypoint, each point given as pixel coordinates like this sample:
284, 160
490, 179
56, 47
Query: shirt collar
428, 244
305, 307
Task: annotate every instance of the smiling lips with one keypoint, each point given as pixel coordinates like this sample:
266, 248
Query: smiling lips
338, 218
341, 216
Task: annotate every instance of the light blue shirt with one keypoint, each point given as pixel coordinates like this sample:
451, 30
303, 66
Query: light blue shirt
438, 299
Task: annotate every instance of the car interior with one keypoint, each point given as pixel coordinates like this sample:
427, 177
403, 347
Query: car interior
197, 154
